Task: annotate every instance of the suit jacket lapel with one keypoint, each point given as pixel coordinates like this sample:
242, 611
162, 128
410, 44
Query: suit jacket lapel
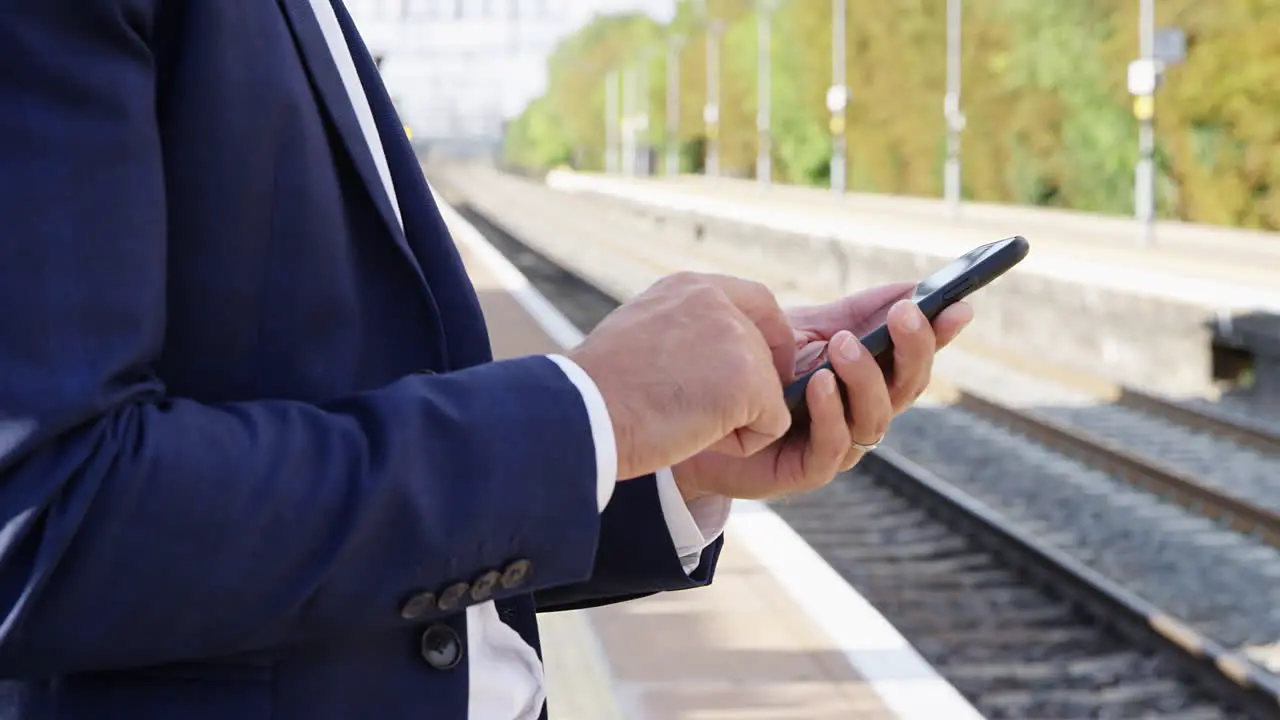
455, 297
333, 97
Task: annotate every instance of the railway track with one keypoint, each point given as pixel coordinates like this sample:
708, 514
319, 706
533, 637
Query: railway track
1155, 477
1004, 604
1221, 422
1234, 419
1021, 630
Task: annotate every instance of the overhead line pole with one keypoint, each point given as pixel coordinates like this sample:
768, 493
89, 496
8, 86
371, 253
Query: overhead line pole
951, 108
764, 91
1144, 172
838, 96
711, 114
611, 115
674, 45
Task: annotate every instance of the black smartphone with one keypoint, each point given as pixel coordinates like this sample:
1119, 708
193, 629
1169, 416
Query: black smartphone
967, 273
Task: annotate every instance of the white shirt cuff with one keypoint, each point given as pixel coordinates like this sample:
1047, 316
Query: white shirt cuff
694, 525
601, 429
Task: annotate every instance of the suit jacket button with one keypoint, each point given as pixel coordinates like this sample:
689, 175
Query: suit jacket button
515, 574
441, 647
452, 596
482, 588
418, 606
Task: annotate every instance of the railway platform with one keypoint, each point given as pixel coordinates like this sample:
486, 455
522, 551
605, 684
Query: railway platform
1238, 258
1094, 303
779, 635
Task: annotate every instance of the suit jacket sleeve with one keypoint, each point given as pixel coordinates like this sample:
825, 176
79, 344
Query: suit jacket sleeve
141, 528
636, 557
637, 553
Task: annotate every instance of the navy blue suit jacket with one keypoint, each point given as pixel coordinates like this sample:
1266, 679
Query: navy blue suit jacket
243, 416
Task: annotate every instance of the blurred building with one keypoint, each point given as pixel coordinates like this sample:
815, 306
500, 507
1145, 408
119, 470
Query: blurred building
459, 69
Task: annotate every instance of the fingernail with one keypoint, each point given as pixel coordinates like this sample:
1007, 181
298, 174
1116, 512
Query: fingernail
909, 316
847, 346
828, 382
810, 357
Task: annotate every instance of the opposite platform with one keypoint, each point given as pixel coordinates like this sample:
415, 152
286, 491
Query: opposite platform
778, 635
1245, 275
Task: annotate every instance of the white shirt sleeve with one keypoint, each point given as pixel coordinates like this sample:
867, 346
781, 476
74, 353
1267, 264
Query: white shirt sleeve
693, 526
601, 429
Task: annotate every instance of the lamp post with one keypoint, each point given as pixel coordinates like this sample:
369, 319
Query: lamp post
1144, 108
951, 108
629, 102
644, 111
838, 94
674, 45
611, 113
711, 110
711, 113
764, 91
1159, 49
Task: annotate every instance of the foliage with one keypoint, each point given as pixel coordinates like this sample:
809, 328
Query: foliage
1049, 120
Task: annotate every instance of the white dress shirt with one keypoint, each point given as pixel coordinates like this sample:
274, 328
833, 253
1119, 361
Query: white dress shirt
506, 677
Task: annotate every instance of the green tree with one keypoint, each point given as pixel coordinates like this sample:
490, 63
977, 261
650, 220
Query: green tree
1049, 118
568, 120
802, 70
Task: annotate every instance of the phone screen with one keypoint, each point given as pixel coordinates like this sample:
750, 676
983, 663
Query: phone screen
952, 270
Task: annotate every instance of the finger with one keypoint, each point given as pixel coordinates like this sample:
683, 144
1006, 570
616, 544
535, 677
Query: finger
772, 423
828, 431
744, 442
769, 424
914, 346
758, 304
950, 322
869, 309
858, 313
770, 417
810, 356
774, 418
863, 305
760, 434
870, 407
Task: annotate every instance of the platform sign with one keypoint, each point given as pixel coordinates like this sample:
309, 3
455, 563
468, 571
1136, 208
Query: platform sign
1170, 46
1144, 76
1144, 107
837, 98
711, 114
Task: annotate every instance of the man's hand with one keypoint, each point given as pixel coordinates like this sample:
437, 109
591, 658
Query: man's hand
805, 461
694, 362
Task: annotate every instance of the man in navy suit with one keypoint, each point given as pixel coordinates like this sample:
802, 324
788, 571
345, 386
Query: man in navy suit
256, 460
